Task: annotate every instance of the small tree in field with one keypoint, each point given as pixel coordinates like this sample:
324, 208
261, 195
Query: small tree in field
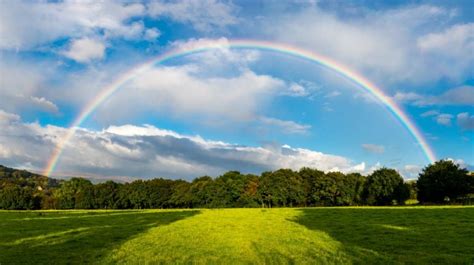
443, 181
384, 186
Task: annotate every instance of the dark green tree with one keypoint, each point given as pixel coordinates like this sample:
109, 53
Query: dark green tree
14, 197
443, 181
283, 187
106, 195
203, 192
250, 196
181, 197
75, 193
384, 187
311, 179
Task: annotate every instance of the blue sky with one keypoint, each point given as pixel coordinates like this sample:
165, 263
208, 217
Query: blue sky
234, 109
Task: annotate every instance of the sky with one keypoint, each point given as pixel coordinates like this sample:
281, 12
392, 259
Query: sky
226, 108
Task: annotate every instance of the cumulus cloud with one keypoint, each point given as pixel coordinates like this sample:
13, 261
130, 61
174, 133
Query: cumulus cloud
180, 91
406, 44
85, 50
411, 171
461, 163
147, 151
302, 88
453, 42
374, 148
297, 90
465, 121
444, 119
43, 103
48, 21
152, 34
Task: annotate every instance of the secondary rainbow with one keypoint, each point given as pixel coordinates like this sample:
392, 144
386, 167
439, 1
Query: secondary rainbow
202, 46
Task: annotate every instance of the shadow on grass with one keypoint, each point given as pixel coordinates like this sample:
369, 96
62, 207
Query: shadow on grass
415, 235
75, 237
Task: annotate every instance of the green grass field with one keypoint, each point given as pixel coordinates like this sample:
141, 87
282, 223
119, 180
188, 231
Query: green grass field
388, 235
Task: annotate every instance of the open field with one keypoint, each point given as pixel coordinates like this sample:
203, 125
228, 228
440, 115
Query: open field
361, 235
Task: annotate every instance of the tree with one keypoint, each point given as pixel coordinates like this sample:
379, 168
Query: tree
250, 196
106, 195
159, 192
202, 192
444, 181
311, 179
384, 186
75, 193
283, 187
181, 197
234, 189
13, 197
354, 183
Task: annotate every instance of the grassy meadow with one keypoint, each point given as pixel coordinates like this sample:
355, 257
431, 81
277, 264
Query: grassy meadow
343, 235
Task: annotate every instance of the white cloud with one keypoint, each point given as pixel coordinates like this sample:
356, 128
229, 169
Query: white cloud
297, 90
303, 88
147, 151
25, 25
374, 167
152, 34
465, 121
452, 43
220, 57
444, 119
374, 148
463, 95
411, 171
6, 117
458, 96
288, 127
20, 85
430, 113
203, 15
181, 92
43, 103
459, 162
85, 50
407, 44
440, 118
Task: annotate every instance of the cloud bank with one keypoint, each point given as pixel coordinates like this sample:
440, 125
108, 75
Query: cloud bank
147, 151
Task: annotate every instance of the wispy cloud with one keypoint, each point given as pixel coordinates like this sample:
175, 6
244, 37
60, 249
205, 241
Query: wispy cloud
288, 127
458, 96
374, 148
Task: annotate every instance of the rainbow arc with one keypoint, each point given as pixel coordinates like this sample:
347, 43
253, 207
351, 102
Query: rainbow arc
202, 46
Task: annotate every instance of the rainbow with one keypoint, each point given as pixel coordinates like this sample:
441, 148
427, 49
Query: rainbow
201, 46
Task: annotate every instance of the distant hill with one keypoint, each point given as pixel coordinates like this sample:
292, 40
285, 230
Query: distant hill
23, 178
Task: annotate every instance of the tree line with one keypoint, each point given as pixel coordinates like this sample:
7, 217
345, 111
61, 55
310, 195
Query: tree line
441, 182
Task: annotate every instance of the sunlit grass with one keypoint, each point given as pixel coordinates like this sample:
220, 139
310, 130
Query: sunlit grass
233, 236
360, 235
